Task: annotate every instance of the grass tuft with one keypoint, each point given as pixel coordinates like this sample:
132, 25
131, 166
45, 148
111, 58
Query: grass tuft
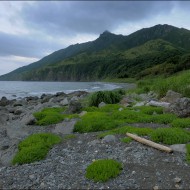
103, 170
35, 147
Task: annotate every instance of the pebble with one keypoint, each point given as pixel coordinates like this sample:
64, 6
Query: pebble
156, 188
177, 180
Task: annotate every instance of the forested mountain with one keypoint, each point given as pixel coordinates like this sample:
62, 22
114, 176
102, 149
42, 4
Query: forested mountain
161, 49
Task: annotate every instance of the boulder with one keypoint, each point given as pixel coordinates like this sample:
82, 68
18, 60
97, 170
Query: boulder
74, 107
4, 101
139, 104
28, 120
181, 107
126, 101
171, 96
102, 104
31, 98
179, 147
64, 102
82, 113
109, 138
158, 104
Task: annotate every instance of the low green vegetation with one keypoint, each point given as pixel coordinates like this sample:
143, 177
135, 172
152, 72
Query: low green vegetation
178, 82
127, 129
150, 110
35, 147
126, 140
103, 170
170, 136
109, 97
181, 123
188, 153
50, 116
110, 117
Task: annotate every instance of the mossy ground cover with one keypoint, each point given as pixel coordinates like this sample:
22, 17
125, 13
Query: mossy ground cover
181, 123
103, 170
50, 116
110, 117
126, 140
35, 147
170, 136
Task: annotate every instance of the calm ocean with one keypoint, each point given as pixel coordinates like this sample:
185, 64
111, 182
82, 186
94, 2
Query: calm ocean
18, 89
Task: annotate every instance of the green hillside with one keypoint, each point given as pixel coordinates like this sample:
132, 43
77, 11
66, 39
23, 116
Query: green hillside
161, 49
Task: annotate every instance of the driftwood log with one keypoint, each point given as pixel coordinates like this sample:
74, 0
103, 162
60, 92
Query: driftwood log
149, 143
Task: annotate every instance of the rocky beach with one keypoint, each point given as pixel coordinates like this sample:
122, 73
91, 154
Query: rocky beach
65, 165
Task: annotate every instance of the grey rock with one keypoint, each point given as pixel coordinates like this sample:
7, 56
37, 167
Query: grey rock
109, 138
139, 104
18, 111
74, 98
64, 127
171, 96
74, 107
29, 119
120, 109
177, 180
179, 148
4, 101
181, 107
64, 102
82, 113
158, 104
102, 104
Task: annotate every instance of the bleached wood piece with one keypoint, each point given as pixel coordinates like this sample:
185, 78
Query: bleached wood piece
150, 143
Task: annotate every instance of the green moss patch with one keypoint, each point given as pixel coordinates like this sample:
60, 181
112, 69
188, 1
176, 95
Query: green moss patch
170, 136
35, 148
126, 140
127, 129
103, 170
109, 117
50, 116
181, 123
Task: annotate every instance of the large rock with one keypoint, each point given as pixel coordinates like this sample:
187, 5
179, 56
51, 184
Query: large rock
171, 96
4, 101
158, 104
179, 147
102, 104
181, 107
74, 107
64, 102
126, 101
109, 138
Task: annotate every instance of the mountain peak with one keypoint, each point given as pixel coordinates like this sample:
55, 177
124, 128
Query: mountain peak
106, 33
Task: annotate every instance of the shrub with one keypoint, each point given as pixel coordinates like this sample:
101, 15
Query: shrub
109, 97
103, 170
35, 147
188, 152
170, 136
181, 123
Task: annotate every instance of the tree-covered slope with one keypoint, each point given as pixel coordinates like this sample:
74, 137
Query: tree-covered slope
144, 52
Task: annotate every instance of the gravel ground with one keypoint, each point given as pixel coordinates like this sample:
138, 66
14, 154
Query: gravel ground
65, 166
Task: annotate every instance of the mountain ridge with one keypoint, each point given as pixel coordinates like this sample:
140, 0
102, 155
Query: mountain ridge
105, 46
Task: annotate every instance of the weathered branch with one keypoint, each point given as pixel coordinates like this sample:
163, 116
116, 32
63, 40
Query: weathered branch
149, 143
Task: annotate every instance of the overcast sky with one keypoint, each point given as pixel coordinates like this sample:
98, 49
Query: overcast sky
30, 30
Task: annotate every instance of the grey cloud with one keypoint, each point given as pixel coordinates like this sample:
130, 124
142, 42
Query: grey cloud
23, 45
70, 18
